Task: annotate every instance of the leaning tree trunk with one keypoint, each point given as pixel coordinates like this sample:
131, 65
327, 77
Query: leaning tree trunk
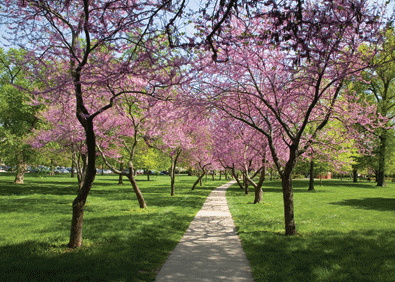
80, 200
136, 189
237, 180
382, 152
199, 180
20, 172
311, 182
258, 187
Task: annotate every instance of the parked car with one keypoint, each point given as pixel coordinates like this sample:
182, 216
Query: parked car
164, 172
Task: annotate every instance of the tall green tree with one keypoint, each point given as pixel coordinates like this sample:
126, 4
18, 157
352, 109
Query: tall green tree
17, 114
378, 87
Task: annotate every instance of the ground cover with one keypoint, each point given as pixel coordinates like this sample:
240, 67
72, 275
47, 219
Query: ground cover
346, 232
121, 241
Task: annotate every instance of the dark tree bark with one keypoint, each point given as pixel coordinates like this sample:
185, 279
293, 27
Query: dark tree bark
236, 177
80, 200
258, 186
199, 180
136, 189
290, 228
81, 170
355, 175
258, 189
311, 182
173, 171
129, 175
245, 184
72, 168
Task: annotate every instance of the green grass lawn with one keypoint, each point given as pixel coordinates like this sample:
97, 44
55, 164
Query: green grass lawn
121, 241
346, 232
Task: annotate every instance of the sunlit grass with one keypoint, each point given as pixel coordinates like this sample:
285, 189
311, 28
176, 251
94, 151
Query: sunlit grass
346, 232
121, 241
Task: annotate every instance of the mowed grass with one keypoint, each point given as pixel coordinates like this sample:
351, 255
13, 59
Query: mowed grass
121, 241
346, 232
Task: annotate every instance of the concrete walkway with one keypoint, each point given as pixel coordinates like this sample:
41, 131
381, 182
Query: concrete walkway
210, 249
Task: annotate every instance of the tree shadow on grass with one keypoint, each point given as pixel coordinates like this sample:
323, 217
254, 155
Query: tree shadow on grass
116, 248
380, 204
350, 184
325, 256
42, 188
300, 186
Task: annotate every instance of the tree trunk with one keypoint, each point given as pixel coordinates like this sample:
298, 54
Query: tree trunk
355, 175
80, 200
382, 152
245, 183
72, 169
213, 175
237, 179
120, 179
258, 187
290, 228
102, 169
148, 175
52, 169
20, 172
199, 180
172, 181
81, 170
136, 190
311, 182
220, 175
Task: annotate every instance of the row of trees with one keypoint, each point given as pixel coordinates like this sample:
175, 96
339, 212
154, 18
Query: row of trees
256, 83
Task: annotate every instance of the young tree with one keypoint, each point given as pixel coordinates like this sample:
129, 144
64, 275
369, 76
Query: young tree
125, 129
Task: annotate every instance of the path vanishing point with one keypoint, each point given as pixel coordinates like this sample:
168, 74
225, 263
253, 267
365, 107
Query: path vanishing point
210, 249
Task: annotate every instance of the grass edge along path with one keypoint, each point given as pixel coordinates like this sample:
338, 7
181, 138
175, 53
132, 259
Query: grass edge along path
346, 232
121, 241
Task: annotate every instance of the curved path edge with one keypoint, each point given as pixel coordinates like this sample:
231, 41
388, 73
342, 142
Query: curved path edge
210, 249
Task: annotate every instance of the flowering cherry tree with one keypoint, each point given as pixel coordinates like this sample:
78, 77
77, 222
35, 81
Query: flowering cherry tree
80, 48
296, 83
